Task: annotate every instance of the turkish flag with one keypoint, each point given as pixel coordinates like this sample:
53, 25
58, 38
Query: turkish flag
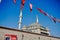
13, 37
10, 37
14, 1
22, 3
30, 6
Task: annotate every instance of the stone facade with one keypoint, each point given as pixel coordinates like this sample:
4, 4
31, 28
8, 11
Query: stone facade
23, 35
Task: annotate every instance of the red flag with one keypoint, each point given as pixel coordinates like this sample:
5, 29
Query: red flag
39, 10
30, 6
58, 20
53, 18
10, 37
42, 12
22, 3
14, 1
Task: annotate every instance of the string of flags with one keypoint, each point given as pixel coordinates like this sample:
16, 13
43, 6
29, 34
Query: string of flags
40, 10
46, 14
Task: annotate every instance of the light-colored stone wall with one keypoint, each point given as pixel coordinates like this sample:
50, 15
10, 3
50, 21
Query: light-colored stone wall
27, 36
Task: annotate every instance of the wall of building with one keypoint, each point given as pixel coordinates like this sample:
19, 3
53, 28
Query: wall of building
24, 35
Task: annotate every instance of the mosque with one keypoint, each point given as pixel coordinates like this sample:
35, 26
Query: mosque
34, 31
36, 28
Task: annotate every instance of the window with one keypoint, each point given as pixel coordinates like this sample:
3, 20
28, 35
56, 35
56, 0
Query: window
39, 38
44, 33
7, 38
22, 36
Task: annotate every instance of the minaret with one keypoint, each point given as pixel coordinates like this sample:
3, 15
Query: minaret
20, 20
37, 19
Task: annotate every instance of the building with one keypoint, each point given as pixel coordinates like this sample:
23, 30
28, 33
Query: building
15, 34
31, 32
36, 28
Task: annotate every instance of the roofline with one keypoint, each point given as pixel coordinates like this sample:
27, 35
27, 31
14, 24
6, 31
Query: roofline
26, 31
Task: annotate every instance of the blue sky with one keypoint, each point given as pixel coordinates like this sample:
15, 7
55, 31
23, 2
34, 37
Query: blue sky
9, 14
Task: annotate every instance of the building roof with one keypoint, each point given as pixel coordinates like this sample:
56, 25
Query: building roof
1, 27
